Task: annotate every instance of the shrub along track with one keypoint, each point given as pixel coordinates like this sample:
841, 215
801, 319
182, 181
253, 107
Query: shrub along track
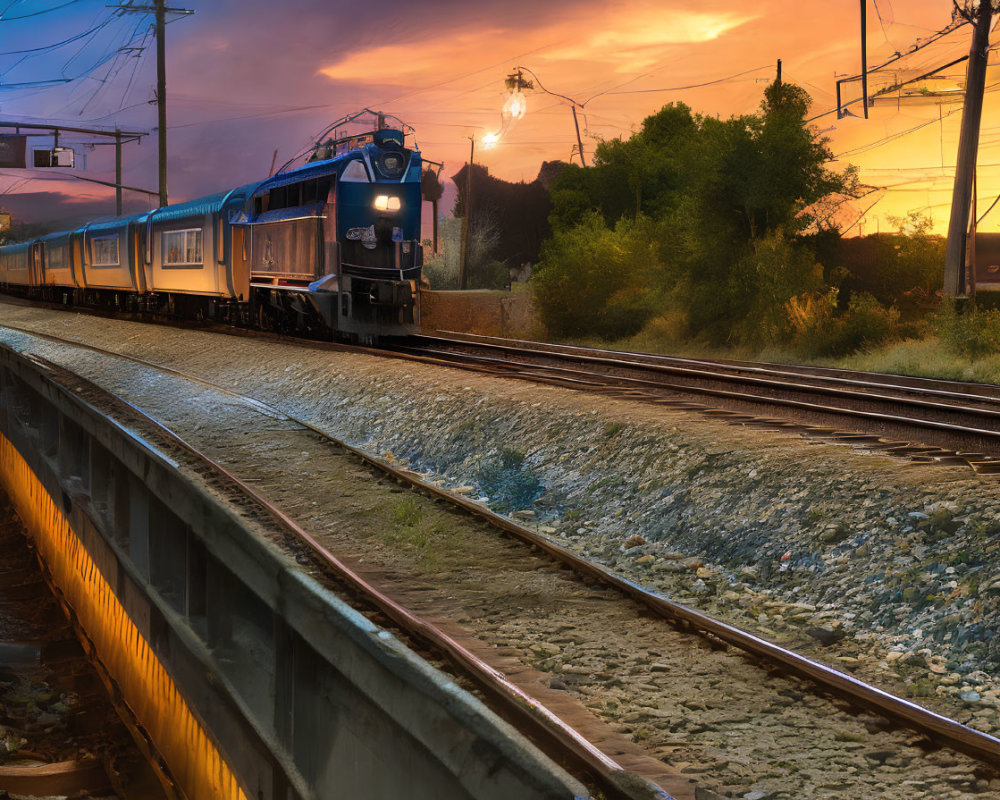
918, 418
691, 702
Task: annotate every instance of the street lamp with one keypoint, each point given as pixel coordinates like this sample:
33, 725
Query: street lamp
516, 104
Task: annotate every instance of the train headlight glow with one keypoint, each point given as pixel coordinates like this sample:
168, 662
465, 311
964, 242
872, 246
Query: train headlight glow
384, 202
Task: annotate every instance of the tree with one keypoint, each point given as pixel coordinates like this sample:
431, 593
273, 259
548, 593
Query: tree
517, 213
641, 175
728, 201
597, 281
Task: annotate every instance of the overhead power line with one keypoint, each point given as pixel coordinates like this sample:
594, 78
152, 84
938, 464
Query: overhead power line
5, 18
692, 85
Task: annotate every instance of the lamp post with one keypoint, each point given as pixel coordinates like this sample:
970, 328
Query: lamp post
516, 104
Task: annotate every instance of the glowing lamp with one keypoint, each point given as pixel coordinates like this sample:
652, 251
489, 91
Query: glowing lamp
516, 104
384, 202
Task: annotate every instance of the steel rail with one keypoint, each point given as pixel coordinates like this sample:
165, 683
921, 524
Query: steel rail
561, 742
903, 383
942, 729
608, 381
712, 374
987, 413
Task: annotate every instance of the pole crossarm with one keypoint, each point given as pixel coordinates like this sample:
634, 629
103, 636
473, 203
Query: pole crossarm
151, 9
109, 132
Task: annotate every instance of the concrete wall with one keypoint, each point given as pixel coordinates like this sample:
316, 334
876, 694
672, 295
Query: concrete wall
249, 678
488, 313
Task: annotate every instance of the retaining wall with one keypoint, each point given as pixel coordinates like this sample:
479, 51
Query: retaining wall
247, 677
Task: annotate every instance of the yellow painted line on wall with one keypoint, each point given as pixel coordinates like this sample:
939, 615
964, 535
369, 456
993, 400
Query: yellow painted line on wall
192, 757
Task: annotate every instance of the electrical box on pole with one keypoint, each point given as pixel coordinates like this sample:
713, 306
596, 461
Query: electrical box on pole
54, 157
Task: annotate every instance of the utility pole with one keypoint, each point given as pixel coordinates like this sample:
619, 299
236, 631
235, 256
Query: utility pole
864, 55
968, 146
462, 267
579, 141
777, 79
159, 10
161, 94
118, 172
515, 82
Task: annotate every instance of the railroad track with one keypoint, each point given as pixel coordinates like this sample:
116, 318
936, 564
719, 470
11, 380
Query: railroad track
922, 419
270, 499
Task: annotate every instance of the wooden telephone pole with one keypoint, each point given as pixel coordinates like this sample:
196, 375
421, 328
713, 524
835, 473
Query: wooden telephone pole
864, 55
968, 146
159, 10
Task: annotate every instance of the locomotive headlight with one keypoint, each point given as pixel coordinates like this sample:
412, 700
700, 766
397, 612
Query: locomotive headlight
384, 202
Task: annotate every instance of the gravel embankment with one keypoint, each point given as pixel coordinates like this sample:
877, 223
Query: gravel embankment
884, 568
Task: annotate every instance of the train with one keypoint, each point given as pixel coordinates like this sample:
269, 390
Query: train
330, 249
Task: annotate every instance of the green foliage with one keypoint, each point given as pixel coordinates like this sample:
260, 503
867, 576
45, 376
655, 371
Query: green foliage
442, 272
693, 221
593, 280
818, 329
973, 334
643, 175
904, 267
772, 271
408, 512
508, 481
485, 271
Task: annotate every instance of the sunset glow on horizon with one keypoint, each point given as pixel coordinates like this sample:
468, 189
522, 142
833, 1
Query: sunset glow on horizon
248, 78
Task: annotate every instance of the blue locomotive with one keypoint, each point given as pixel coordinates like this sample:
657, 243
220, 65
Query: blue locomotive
330, 248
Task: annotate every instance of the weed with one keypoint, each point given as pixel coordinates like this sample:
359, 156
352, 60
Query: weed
921, 687
607, 480
408, 512
511, 458
466, 426
613, 429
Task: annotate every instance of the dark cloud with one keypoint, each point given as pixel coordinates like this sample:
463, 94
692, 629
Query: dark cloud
59, 212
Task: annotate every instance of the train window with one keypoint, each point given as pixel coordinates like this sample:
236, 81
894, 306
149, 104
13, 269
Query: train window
182, 248
295, 194
55, 256
104, 251
15, 261
355, 172
309, 192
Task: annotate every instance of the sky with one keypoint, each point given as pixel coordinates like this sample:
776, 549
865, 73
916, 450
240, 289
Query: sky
254, 82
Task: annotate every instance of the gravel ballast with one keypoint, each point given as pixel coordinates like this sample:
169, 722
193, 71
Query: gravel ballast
881, 567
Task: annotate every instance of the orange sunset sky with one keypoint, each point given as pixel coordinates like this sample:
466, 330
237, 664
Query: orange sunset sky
248, 78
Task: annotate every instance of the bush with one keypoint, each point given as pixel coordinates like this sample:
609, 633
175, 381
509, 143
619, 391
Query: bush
819, 331
773, 270
594, 281
484, 271
867, 323
973, 334
662, 333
